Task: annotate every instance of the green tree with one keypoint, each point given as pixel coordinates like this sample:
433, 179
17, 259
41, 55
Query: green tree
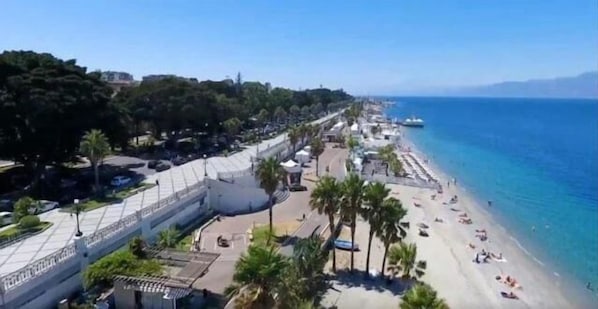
232, 126
269, 174
294, 136
391, 231
23, 207
137, 246
326, 199
421, 296
95, 147
317, 148
352, 143
374, 196
402, 258
263, 117
45, 106
168, 238
280, 114
305, 111
352, 190
258, 276
121, 262
295, 111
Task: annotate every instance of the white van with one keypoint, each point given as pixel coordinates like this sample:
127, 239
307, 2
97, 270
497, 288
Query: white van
5, 218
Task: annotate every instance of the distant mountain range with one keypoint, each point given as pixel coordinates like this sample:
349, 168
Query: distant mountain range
582, 86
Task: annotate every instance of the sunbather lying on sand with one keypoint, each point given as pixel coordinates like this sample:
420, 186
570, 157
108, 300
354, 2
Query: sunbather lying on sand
509, 295
510, 281
463, 215
480, 231
465, 221
472, 246
438, 220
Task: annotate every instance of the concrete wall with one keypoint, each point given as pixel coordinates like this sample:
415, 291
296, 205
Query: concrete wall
48, 289
229, 198
245, 181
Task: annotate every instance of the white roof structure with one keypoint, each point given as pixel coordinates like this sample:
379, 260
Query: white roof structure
355, 127
291, 166
302, 156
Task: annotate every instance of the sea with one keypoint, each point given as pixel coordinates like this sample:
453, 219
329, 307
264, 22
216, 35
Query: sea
535, 159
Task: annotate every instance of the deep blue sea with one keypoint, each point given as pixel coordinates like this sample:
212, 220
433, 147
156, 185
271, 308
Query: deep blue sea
536, 159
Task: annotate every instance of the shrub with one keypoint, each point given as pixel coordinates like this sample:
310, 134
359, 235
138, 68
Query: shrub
29, 222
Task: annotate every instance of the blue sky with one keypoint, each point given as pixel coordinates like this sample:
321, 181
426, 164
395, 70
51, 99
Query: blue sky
366, 47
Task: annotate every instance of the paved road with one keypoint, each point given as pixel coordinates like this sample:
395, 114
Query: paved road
316, 223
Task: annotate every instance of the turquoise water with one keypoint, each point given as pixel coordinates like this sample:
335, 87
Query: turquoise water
536, 159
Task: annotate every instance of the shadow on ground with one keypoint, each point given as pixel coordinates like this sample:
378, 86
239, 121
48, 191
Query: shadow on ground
345, 278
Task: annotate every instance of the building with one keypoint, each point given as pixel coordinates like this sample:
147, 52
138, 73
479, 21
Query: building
117, 80
157, 77
168, 291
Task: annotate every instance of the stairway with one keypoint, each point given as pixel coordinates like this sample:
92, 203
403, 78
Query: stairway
281, 195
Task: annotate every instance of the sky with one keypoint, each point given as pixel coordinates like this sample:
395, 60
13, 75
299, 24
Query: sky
364, 47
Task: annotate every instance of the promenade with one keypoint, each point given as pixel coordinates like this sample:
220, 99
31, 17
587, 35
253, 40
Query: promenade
62, 232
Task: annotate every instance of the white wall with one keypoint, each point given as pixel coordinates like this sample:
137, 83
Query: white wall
231, 198
246, 181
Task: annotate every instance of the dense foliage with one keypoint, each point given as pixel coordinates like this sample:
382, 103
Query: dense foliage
122, 262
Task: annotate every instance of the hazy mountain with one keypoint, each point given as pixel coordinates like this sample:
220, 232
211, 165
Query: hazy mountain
582, 86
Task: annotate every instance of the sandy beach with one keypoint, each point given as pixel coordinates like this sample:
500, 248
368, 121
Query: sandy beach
451, 267
451, 250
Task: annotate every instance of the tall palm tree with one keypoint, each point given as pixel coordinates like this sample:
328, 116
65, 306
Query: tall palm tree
168, 238
258, 275
317, 148
294, 136
352, 189
308, 261
269, 174
352, 143
374, 196
95, 147
325, 198
420, 296
391, 231
403, 257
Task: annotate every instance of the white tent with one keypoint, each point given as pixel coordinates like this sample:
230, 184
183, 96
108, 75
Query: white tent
307, 148
302, 156
291, 166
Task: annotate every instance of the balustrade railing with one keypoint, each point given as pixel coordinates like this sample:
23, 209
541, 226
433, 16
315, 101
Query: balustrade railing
45, 264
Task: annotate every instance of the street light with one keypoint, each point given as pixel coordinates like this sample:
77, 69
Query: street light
158, 184
205, 166
77, 210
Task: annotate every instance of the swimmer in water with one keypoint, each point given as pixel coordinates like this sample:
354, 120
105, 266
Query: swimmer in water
533, 228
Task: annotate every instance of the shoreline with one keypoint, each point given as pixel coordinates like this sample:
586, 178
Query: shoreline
542, 287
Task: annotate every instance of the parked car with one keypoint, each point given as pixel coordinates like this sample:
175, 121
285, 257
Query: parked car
162, 167
179, 161
120, 181
6, 218
153, 163
297, 187
45, 205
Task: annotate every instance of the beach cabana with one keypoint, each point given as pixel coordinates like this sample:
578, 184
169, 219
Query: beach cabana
294, 171
302, 156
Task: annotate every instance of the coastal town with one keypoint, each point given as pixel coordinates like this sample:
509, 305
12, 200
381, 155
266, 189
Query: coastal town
327, 205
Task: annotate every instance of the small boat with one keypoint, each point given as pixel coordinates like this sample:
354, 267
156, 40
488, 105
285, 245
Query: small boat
345, 245
413, 122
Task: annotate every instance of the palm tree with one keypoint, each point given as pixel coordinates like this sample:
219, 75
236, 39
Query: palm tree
352, 189
308, 261
317, 148
403, 257
391, 231
294, 135
168, 238
325, 198
352, 143
136, 246
258, 275
269, 174
95, 147
374, 196
420, 296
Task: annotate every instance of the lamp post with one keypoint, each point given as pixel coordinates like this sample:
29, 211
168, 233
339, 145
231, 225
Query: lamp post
77, 211
205, 166
158, 184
